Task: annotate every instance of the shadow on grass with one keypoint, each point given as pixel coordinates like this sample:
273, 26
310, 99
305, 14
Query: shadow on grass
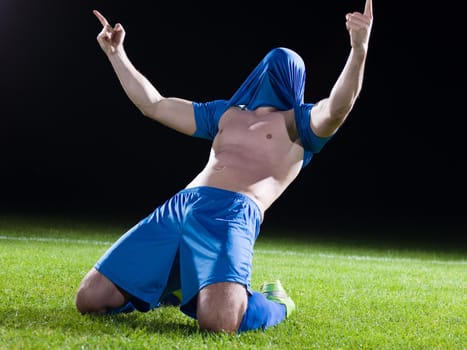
69, 321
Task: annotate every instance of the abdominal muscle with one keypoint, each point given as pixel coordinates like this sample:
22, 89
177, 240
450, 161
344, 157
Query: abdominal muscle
253, 153
248, 172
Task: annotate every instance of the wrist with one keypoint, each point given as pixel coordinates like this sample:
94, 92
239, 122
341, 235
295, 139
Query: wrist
360, 51
118, 52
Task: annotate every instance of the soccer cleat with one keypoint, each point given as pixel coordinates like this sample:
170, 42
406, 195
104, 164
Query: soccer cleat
172, 299
124, 309
275, 292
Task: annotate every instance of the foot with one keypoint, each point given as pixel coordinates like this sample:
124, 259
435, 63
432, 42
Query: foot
275, 292
124, 309
172, 299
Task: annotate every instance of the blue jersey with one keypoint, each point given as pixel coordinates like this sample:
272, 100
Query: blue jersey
277, 81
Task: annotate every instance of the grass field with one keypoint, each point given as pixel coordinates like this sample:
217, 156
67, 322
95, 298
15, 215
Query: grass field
349, 294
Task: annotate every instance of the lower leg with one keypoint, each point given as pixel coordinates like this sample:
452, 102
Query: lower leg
261, 313
268, 308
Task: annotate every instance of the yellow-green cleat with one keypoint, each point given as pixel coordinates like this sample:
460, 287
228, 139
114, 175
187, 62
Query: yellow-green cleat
172, 299
275, 292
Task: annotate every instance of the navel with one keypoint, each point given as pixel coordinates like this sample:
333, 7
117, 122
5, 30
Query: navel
269, 136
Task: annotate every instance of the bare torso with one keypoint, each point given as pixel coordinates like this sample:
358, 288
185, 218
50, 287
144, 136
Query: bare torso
257, 153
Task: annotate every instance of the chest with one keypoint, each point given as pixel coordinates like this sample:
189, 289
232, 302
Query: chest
277, 125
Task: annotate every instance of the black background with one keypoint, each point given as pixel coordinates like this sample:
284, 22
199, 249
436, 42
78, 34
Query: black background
71, 141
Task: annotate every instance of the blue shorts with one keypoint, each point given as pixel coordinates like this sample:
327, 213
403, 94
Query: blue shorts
200, 236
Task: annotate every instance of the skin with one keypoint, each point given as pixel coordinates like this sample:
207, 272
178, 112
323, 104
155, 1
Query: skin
257, 153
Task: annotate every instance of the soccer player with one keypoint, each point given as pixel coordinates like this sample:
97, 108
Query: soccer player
199, 243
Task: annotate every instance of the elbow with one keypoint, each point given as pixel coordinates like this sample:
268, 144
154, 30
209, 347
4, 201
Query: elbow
342, 102
144, 111
338, 115
148, 110
340, 108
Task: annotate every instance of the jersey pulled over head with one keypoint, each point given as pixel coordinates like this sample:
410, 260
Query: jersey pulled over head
277, 81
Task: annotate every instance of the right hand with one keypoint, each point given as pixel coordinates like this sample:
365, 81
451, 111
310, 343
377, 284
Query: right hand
110, 38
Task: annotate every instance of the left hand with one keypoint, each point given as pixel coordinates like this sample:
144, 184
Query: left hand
359, 26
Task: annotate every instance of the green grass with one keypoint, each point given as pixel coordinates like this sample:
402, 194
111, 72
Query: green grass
349, 294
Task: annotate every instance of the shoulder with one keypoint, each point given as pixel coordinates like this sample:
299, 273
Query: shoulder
311, 139
207, 116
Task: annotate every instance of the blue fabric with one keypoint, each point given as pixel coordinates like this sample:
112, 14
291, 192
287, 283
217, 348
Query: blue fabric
277, 81
208, 232
261, 313
207, 116
124, 309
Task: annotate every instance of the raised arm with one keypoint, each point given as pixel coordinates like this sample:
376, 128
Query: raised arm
329, 114
173, 112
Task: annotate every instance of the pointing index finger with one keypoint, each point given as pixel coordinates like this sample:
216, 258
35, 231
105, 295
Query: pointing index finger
101, 18
368, 8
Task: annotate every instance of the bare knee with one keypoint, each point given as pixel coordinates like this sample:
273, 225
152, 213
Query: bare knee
97, 294
221, 307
